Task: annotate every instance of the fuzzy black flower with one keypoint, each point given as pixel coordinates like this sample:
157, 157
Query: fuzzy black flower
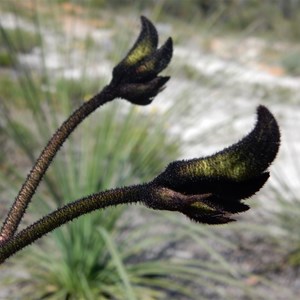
211, 188
136, 76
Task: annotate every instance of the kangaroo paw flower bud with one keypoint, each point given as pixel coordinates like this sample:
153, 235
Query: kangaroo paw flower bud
211, 188
136, 75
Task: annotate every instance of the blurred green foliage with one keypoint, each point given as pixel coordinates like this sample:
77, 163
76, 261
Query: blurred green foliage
6, 60
291, 63
16, 41
19, 40
11, 90
284, 217
278, 18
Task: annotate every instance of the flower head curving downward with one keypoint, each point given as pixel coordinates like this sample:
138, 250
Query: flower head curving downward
137, 74
210, 189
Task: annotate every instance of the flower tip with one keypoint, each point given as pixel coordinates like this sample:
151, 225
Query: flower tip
148, 26
148, 34
145, 44
266, 119
144, 61
167, 52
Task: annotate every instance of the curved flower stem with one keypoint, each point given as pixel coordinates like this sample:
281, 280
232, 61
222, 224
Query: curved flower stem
131, 194
37, 172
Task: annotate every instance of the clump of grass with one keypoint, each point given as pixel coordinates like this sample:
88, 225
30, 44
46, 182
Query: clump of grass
76, 90
87, 249
10, 89
20, 40
6, 60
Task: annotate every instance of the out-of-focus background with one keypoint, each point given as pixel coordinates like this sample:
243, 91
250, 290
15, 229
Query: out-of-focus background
229, 57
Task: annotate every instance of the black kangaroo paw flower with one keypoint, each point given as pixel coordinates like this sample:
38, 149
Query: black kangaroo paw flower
136, 76
211, 188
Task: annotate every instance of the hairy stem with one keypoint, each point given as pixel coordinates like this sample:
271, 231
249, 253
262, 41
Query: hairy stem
131, 194
37, 172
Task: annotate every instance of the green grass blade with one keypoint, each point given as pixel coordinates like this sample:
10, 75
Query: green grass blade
118, 264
